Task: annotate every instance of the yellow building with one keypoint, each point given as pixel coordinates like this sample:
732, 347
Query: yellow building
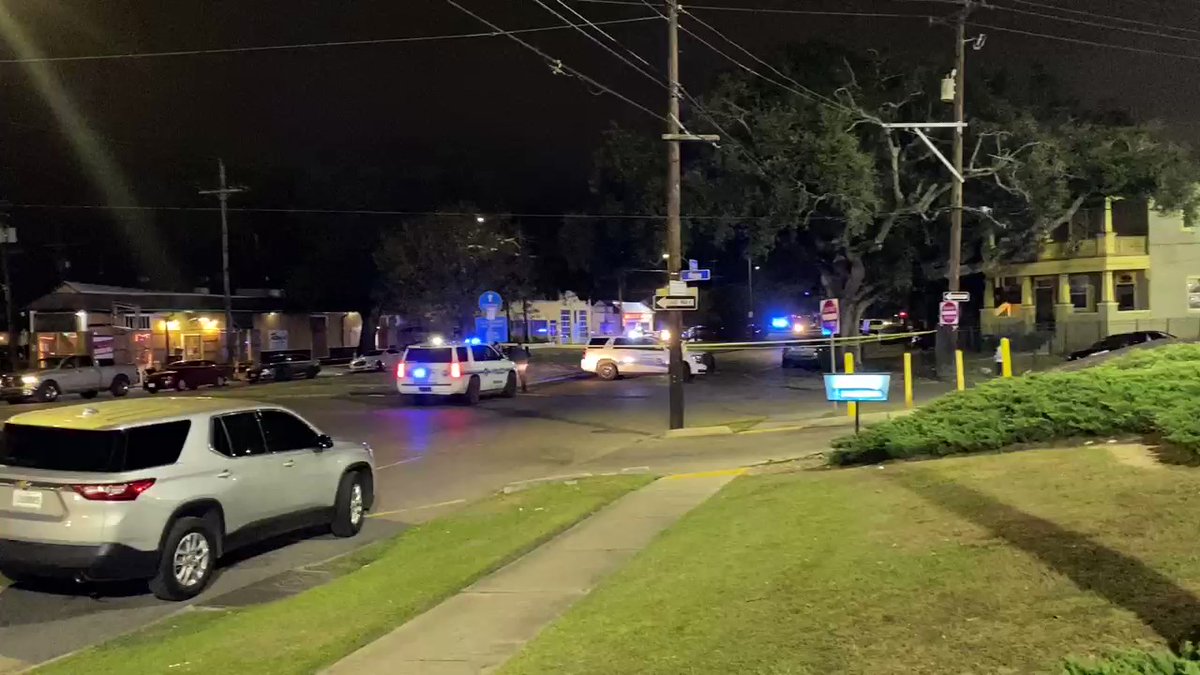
1115, 269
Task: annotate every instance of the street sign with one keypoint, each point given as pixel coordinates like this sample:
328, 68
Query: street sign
491, 330
675, 303
956, 296
830, 316
857, 387
695, 275
948, 313
490, 302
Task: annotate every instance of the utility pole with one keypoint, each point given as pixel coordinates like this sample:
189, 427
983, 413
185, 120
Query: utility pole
947, 336
8, 235
222, 194
675, 134
674, 227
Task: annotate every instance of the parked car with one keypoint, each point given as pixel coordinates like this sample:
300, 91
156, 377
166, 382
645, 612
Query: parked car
806, 356
375, 360
283, 366
58, 375
184, 375
872, 326
613, 357
161, 489
1119, 341
463, 371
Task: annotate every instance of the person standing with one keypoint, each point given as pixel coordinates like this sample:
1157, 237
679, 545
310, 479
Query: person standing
519, 355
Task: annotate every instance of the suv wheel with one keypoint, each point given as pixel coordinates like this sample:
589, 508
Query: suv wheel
311, 373
607, 371
472, 395
350, 510
119, 386
48, 392
189, 554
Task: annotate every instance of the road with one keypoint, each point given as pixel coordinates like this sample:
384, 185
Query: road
431, 458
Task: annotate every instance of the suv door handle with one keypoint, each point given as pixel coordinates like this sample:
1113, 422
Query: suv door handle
225, 474
290, 462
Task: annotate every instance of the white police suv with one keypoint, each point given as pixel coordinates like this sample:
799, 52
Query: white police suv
465, 371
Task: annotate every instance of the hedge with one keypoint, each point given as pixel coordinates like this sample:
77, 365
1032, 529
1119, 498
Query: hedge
1150, 391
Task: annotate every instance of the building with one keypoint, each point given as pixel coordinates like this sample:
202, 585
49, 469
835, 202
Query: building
150, 327
621, 318
572, 320
1119, 268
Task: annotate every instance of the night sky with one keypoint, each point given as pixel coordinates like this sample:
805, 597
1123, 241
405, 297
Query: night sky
411, 126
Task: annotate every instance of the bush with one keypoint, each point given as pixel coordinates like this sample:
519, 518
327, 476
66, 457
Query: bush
1148, 391
1137, 662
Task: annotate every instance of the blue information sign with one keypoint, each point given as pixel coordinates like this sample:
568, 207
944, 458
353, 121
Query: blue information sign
491, 330
857, 387
490, 300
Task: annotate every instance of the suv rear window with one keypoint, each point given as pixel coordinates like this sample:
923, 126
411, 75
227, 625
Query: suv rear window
434, 354
598, 342
90, 451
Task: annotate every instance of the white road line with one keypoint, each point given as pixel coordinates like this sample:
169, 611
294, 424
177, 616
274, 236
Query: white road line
403, 461
452, 502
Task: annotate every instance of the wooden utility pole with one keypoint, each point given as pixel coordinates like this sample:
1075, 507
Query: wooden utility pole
222, 194
8, 235
956, 191
674, 227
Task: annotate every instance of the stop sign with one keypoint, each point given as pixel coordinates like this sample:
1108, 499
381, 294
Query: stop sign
948, 313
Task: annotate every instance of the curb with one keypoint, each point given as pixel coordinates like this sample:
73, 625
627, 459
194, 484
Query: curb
695, 432
840, 421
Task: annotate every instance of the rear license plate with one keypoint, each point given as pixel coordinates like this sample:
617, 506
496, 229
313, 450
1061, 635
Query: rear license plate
425, 390
27, 499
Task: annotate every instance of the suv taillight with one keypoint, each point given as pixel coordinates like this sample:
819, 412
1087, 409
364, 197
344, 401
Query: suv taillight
455, 370
400, 371
113, 492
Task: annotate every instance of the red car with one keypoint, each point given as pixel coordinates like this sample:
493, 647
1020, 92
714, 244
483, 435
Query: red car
184, 375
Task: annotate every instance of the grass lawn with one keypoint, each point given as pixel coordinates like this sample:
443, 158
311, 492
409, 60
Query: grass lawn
1001, 563
418, 569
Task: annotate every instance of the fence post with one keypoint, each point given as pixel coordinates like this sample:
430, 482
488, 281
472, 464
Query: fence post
958, 367
851, 408
908, 381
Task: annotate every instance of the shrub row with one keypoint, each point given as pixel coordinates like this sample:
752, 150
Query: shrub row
1148, 391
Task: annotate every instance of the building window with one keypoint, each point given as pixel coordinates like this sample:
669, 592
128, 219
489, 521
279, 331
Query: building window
1126, 289
581, 325
1193, 291
1083, 293
1008, 290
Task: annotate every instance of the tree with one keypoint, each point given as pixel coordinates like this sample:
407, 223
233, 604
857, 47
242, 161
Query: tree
437, 266
864, 206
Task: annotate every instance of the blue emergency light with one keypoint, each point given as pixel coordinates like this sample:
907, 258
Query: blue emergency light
420, 373
780, 322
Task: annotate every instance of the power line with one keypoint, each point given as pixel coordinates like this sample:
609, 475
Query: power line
310, 45
1134, 22
768, 10
606, 34
382, 212
568, 23
557, 65
799, 89
1106, 45
1085, 22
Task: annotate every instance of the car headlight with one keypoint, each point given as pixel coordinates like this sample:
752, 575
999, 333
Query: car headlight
29, 379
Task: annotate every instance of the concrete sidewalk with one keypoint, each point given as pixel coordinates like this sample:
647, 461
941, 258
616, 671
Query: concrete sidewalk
487, 623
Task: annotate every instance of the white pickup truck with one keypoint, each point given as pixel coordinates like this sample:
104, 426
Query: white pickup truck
58, 375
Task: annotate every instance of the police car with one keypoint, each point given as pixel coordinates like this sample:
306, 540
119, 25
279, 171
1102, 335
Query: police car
465, 371
613, 357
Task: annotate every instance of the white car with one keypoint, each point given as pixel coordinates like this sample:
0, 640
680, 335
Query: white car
374, 361
460, 370
612, 357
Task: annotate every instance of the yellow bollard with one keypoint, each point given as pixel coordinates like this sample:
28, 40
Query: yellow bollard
1005, 358
908, 383
851, 408
958, 366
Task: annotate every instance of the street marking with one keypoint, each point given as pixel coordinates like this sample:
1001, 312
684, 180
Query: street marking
452, 502
547, 479
635, 469
707, 474
403, 461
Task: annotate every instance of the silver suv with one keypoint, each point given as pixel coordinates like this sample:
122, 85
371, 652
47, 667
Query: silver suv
160, 489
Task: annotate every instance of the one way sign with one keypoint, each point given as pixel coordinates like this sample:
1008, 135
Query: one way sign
675, 302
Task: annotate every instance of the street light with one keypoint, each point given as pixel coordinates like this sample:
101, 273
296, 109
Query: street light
750, 268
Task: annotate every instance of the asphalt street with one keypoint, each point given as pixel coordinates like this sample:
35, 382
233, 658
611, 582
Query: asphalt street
434, 457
